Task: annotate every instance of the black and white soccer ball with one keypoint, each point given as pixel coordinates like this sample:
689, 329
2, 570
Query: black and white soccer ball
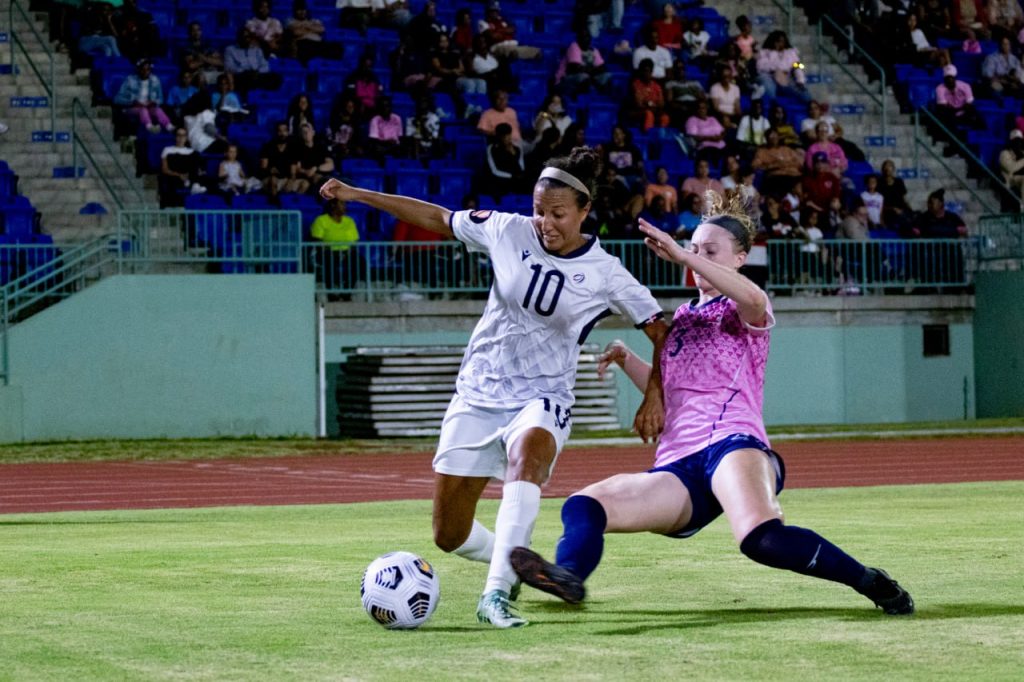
400, 590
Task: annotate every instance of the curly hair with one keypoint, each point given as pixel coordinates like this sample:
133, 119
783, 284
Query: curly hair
732, 212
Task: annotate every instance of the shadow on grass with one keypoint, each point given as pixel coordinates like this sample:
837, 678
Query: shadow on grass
648, 620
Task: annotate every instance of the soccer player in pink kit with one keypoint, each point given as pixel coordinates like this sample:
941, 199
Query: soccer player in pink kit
713, 454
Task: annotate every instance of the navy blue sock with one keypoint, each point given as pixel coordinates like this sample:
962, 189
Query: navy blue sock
582, 542
803, 551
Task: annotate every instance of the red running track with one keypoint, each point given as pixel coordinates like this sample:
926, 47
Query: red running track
322, 479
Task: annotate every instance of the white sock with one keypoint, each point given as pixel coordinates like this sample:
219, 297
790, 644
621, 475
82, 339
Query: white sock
520, 503
479, 546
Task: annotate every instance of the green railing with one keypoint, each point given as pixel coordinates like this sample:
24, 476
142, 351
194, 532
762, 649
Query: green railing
48, 83
1002, 237
925, 142
828, 47
786, 7
5, 374
80, 114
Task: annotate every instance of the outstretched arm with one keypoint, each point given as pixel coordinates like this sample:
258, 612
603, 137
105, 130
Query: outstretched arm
751, 301
650, 418
428, 216
636, 368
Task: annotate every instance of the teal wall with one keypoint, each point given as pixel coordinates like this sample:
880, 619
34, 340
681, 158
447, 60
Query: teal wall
818, 374
999, 343
166, 356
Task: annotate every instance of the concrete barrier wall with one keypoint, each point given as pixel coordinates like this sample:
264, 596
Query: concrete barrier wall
166, 356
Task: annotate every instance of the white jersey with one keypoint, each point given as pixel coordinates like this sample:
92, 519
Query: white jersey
540, 310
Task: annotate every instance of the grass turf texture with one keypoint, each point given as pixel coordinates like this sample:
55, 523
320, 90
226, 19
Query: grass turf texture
224, 448
273, 593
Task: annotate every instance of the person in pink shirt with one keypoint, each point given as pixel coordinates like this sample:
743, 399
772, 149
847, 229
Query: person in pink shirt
713, 455
500, 112
837, 161
954, 101
706, 131
701, 183
385, 129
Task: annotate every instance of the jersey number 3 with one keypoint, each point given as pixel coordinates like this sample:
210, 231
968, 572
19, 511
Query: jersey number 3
544, 304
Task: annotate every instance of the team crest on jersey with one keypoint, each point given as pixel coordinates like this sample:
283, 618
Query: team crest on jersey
579, 277
479, 216
526, 254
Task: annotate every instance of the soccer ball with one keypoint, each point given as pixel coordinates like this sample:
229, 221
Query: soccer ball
400, 590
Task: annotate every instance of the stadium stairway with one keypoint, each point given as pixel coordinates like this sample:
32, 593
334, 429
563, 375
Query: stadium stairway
73, 208
861, 118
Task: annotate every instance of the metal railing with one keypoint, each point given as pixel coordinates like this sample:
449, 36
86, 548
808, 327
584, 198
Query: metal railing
786, 7
48, 84
1001, 236
926, 143
826, 46
80, 113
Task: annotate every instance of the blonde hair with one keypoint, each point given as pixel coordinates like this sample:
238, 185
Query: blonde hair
732, 212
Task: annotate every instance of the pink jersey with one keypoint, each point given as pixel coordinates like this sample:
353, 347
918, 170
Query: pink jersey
713, 378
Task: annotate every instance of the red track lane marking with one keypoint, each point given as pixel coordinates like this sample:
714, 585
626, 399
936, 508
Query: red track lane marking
325, 478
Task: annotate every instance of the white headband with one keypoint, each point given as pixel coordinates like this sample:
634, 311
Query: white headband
567, 178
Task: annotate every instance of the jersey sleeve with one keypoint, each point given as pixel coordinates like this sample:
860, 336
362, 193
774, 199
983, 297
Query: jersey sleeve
769, 318
629, 298
479, 230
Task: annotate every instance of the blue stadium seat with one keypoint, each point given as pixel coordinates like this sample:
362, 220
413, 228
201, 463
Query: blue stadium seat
251, 202
19, 216
921, 93
601, 119
412, 183
455, 183
327, 76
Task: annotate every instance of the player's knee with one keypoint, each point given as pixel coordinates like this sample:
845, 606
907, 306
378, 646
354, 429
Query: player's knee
448, 539
758, 544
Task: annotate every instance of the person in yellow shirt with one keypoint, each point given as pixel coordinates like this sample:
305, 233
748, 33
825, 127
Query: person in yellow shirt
339, 262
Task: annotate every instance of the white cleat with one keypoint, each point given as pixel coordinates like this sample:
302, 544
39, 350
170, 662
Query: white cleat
495, 609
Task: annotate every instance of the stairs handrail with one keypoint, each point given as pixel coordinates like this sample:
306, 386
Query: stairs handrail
79, 112
49, 85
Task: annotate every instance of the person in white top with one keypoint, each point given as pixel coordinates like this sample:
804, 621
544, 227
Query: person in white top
511, 412
661, 57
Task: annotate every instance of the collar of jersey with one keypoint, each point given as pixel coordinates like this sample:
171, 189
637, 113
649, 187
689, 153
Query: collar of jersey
589, 244
695, 306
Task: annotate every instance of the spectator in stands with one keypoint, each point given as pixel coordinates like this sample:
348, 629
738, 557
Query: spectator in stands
339, 263
780, 121
448, 72
971, 44
279, 162
725, 97
752, 131
1005, 18
954, 101
779, 225
627, 159
745, 41
364, 85
410, 68
225, 101
731, 178
780, 69
895, 210
304, 34
181, 92
420, 264
706, 133
582, 68
782, 166
201, 124
813, 255
385, 134
267, 30
343, 129
701, 181
425, 28
142, 95
552, 114
695, 43
199, 56
970, 15
910, 45
179, 171
659, 216
660, 57
99, 33
314, 162
938, 223
849, 258
597, 15
300, 111
690, 216
423, 131
873, 200
246, 62
648, 105
618, 206
1011, 163
744, 72
815, 115
137, 33
462, 34
545, 146
392, 14
856, 225
669, 28
505, 172
575, 136
1002, 71
233, 178
356, 14
501, 36
681, 94
484, 65
500, 112
936, 20
661, 187
837, 161
822, 189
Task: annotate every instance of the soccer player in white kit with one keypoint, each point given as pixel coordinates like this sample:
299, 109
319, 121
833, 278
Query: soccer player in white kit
512, 409
713, 456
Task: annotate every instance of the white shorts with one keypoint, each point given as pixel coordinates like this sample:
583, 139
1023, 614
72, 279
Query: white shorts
474, 440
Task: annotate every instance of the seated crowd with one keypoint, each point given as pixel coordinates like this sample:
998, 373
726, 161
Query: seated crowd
675, 110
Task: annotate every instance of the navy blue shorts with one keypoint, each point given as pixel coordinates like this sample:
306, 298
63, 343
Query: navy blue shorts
695, 472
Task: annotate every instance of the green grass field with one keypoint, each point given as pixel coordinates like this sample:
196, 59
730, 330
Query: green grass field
272, 593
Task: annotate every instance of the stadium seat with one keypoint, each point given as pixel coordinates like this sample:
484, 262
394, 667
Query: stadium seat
455, 183
18, 216
412, 183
